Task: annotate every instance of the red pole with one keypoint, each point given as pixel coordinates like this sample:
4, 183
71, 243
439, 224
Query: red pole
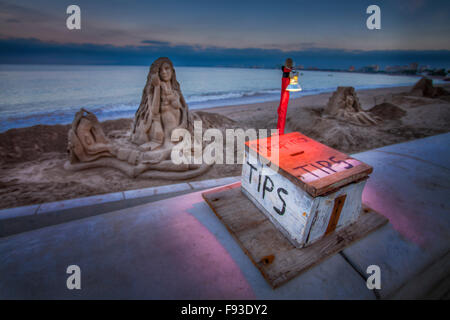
284, 100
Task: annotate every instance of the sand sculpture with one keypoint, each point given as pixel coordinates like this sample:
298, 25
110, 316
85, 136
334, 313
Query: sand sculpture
145, 150
344, 105
424, 88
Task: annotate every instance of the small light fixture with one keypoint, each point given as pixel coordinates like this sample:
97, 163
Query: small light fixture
293, 84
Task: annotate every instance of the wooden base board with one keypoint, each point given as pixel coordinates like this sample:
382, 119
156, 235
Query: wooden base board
278, 260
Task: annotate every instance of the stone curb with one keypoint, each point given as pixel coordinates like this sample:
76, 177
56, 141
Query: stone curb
48, 207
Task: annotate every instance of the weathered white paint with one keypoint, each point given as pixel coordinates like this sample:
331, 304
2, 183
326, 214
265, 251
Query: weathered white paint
325, 171
350, 210
304, 218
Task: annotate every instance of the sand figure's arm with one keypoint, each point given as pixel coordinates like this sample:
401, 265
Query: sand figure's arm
156, 94
156, 133
147, 126
184, 114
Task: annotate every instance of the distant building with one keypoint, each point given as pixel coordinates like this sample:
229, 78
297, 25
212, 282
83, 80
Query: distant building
372, 68
424, 68
412, 68
394, 69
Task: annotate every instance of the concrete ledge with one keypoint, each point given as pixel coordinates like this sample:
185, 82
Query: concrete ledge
213, 182
139, 193
26, 218
17, 212
79, 202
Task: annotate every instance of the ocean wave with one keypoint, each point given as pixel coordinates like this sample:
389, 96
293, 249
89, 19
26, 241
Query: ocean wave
228, 95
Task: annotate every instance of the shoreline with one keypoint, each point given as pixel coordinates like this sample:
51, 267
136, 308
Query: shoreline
125, 109
294, 100
226, 109
239, 103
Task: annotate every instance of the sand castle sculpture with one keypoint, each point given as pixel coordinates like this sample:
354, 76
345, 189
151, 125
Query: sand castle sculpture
344, 105
145, 150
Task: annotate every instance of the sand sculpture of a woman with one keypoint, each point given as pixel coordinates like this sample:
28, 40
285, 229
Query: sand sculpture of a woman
145, 151
162, 108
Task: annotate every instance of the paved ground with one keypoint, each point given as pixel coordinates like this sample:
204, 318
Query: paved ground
176, 248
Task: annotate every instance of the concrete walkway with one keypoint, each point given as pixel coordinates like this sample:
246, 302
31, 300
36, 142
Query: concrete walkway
26, 218
176, 248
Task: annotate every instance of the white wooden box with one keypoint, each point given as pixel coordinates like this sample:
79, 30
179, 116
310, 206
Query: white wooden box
308, 191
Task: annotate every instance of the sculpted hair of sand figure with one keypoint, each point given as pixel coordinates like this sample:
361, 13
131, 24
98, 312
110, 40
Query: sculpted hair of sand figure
145, 150
162, 107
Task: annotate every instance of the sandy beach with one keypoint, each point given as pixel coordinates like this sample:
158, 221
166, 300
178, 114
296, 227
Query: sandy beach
32, 158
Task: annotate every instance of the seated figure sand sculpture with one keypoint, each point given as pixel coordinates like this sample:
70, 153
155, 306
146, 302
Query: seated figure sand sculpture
162, 108
145, 151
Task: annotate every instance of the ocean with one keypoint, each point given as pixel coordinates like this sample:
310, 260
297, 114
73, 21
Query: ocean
51, 94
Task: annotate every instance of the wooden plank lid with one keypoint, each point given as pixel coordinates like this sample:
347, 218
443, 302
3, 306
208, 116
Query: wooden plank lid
313, 166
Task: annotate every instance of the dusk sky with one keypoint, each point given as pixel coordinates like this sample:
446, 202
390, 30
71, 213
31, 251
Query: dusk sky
320, 33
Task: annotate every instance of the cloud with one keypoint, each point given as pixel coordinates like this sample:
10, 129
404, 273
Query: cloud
156, 42
40, 23
308, 44
12, 11
32, 50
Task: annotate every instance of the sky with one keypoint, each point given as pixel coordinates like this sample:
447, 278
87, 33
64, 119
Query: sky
320, 33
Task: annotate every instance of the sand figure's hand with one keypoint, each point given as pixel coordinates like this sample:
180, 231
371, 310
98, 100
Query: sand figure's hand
155, 80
